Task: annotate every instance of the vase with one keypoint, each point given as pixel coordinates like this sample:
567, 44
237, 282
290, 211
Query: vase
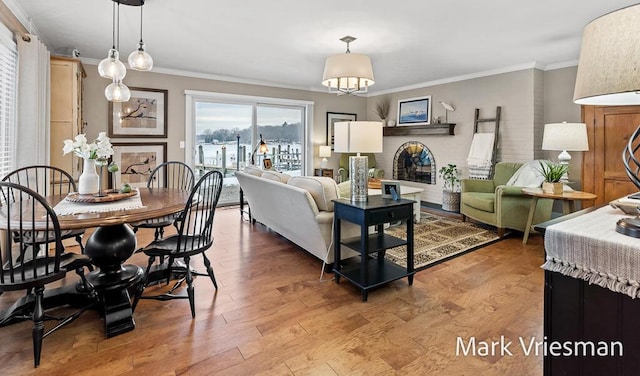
88, 183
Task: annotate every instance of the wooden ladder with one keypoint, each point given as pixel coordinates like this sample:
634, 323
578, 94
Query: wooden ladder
496, 130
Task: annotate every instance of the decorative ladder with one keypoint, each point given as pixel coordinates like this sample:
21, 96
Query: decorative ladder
495, 120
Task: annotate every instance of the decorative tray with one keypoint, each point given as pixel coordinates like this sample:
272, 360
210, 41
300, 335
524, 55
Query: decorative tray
108, 197
374, 183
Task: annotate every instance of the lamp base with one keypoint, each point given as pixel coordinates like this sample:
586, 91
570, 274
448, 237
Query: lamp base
359, 167
323, 163
629, 227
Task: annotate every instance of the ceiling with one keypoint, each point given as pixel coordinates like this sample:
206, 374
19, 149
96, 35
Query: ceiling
285, 42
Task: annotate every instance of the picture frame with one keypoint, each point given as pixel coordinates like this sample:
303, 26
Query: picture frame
266, 164
414, 111
135, 162
332, 119
143, 115
390, 189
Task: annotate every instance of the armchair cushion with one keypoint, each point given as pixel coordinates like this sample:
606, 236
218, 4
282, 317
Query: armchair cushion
481, 201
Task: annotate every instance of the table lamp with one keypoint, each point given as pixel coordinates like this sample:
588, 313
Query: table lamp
358, 137
325, 152
609, 75
565, 137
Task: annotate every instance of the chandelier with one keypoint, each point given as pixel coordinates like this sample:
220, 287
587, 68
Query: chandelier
348, 73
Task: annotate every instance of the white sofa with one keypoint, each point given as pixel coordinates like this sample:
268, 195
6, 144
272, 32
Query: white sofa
300, 208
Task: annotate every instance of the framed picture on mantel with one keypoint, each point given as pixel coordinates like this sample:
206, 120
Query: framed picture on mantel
414, 111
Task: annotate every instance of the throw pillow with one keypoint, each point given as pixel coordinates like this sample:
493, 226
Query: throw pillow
276, 176
322, 189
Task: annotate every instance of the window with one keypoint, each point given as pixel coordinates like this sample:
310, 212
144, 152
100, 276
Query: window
224, 130
8, 68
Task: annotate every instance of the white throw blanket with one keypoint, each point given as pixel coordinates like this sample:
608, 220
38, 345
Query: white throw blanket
481, 150
66, 207
528, 175
589, 248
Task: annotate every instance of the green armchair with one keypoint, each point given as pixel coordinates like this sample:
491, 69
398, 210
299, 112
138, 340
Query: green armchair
343, 171
494, 203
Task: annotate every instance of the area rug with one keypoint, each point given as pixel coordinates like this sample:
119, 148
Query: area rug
438, 238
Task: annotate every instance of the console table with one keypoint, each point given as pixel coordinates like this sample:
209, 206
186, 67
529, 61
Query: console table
580, 311
371, 273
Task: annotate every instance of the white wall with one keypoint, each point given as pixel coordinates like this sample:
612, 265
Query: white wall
513, 91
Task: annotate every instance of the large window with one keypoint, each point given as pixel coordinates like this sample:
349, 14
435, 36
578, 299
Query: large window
8, 92
223, 132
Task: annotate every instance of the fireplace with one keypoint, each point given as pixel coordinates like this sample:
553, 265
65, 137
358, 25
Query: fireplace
413, 161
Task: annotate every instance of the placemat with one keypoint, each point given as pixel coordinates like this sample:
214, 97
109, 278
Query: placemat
66, 207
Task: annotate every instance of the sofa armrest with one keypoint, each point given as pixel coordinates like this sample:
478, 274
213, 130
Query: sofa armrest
476, 185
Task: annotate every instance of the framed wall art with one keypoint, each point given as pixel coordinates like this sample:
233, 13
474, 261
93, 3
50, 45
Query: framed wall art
136, 161
144, 115
414, 111
334, 117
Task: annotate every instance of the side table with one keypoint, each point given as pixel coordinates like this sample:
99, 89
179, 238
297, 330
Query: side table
568, 203
376, 211
327, 172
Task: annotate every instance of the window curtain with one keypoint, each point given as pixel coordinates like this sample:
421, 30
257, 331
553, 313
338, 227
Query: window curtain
33, 103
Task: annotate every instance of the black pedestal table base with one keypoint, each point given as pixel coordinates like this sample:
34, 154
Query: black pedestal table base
109, 247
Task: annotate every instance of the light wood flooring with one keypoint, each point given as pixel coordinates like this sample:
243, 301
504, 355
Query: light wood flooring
272, 315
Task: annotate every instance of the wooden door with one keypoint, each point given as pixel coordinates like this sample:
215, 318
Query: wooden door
609, 129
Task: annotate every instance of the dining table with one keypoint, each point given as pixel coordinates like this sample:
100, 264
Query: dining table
113, 242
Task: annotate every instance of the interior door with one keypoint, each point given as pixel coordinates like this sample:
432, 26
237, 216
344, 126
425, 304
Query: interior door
609, 129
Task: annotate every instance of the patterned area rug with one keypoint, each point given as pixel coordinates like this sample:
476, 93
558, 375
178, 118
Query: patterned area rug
439, 238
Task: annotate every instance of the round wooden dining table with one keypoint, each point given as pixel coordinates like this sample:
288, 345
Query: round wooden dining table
112, 243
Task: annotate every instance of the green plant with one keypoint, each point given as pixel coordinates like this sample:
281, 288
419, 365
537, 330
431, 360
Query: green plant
552, 171
382, 108
449, 174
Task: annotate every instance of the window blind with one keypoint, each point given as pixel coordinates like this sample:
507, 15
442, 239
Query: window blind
8, 93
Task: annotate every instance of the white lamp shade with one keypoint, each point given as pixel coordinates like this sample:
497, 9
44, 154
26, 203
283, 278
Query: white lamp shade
565, 136
325, 151
358, 137
348, 71
609, 65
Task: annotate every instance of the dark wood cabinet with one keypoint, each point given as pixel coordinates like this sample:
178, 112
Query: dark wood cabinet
327, 172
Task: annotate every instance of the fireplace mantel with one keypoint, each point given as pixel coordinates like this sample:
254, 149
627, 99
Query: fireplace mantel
417, 130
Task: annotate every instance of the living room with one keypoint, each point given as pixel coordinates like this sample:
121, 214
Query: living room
275, 310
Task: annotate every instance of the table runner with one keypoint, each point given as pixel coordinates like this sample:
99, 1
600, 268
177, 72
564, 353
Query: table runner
66, 207
589, 248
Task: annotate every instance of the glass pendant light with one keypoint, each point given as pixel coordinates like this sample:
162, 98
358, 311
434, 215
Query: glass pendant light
117, 92
111, 67
139, 59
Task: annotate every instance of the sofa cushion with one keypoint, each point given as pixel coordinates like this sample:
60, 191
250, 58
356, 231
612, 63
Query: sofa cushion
322, 189
253, 170
480, 200
276, 176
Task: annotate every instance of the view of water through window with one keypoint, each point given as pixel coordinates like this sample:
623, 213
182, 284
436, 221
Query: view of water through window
226, 137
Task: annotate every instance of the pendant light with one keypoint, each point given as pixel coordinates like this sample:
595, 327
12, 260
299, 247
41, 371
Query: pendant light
117, 92
111, 67
348, 73
139, 59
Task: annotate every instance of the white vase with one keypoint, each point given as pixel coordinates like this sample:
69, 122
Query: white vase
89, 180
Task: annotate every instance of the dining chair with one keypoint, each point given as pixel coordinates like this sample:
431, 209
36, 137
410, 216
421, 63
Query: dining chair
195, 236
46, 181
171, 174
23, 211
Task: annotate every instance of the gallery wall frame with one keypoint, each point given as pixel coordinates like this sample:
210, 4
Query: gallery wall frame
334, 117
143, 115
136, 161
414, 111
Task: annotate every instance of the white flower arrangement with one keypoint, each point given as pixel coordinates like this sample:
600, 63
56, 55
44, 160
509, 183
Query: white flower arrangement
100, 148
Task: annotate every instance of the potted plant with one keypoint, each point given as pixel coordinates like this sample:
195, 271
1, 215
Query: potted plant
451, 189
382, 110
552, 173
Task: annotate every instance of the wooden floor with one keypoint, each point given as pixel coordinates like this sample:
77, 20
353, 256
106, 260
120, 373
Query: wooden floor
273, 315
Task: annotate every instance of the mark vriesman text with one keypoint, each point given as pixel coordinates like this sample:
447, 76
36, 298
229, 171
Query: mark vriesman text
535, 347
